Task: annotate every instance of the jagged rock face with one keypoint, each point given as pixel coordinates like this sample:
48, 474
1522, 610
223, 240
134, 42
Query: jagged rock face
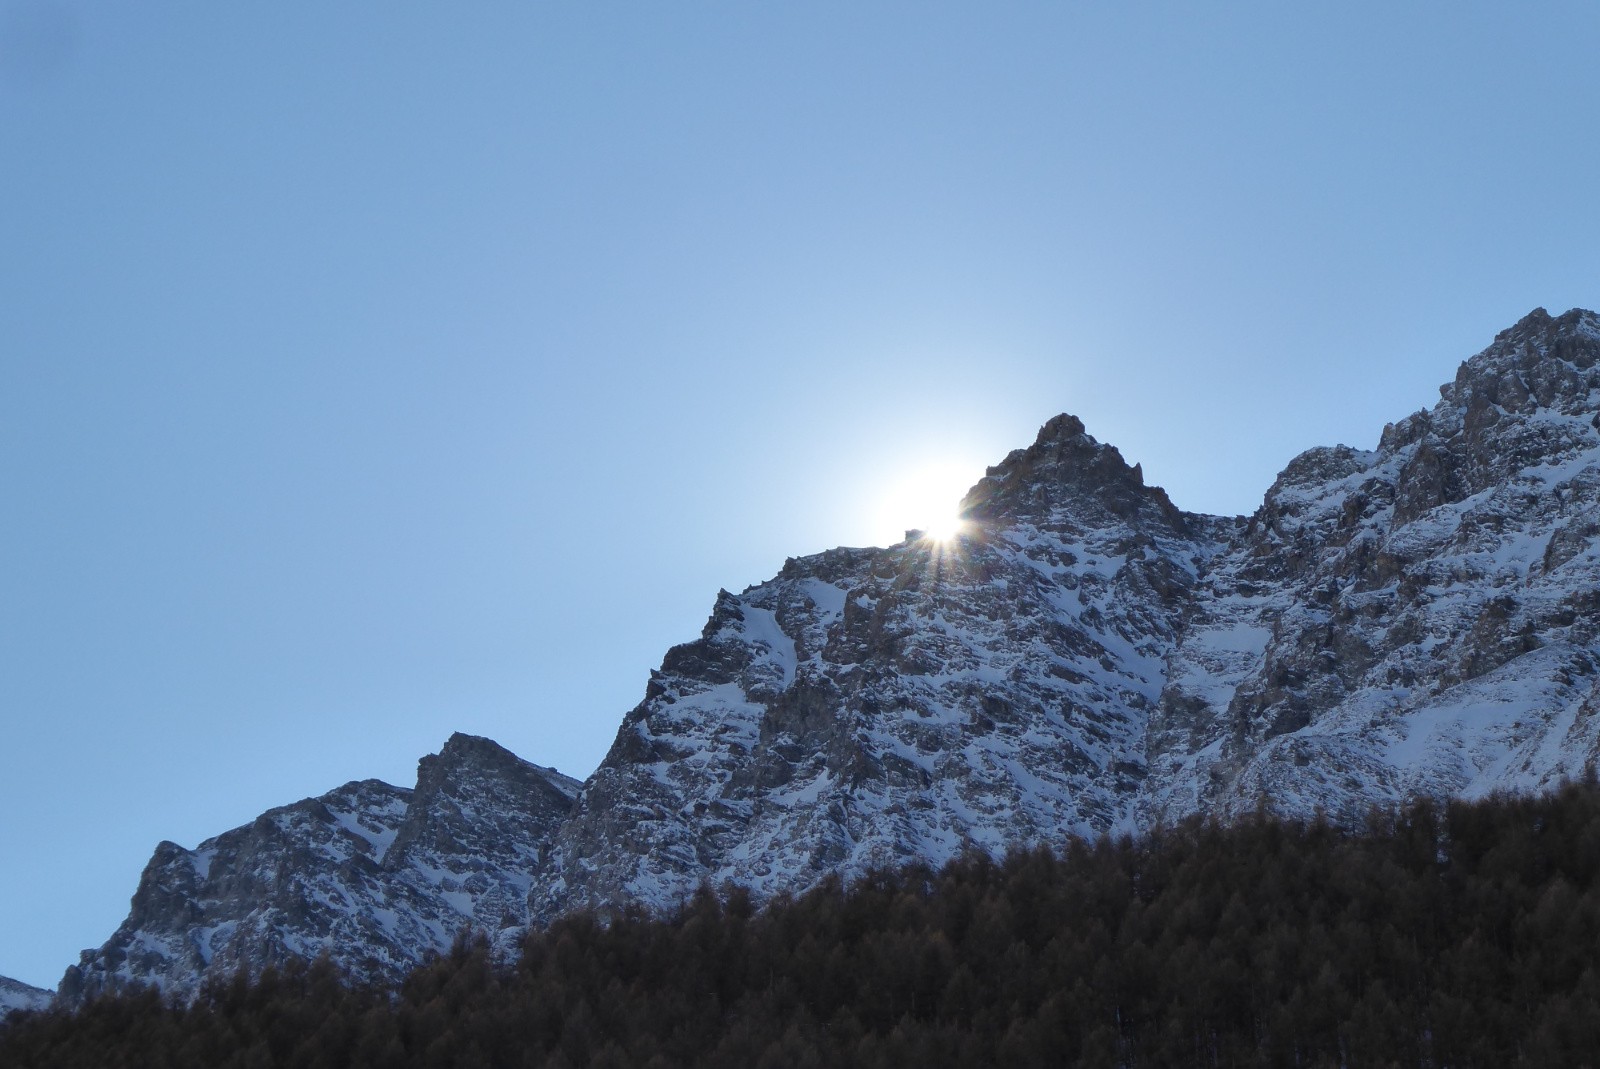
16, 995
871, 707
1417, 619
477, 830
373, 875
1422, 618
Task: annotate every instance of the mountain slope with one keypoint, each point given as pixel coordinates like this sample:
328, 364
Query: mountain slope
373, 875
871, 707
1427, 612
1418, 619
16, 995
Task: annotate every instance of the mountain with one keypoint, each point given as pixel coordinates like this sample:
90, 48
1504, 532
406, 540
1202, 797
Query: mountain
1419, 619
378, 876
16, 995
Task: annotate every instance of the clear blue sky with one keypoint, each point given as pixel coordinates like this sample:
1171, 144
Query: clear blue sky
374, 371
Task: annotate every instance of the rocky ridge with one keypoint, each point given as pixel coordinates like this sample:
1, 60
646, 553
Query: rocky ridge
16, 995
1421, 618
374, 875
1418, 619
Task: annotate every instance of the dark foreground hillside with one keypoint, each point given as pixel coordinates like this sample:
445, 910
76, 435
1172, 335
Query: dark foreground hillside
1467, 936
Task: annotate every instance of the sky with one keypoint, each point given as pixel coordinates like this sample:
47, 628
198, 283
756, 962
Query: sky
373, 372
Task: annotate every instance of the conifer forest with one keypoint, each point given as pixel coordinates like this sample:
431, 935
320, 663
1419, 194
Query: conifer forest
1464, 934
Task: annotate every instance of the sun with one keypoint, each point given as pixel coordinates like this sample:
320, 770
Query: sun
943, 528
926, 499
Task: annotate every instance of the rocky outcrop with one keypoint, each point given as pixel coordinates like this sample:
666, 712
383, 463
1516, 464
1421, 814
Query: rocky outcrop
872, 707
16, 995
375, 876
1419, 619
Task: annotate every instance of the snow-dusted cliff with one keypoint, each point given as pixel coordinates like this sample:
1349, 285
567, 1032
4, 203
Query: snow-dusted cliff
1419, 619
376, 876
16, 995
1423, 618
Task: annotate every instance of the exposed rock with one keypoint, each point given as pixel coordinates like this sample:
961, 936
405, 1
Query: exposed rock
375, 876
16, 995
1419, 619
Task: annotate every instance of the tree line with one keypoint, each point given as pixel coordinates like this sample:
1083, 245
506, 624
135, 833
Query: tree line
1466, 934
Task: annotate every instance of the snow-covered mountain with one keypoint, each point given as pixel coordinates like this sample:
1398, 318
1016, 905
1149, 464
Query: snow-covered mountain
1421, 618
16, 995
377, 876
1418, 619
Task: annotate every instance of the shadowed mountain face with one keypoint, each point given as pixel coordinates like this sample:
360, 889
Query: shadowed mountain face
16, 995
376, 876
1423, 618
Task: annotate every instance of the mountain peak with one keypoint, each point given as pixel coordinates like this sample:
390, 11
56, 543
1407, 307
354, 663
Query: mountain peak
474, 752
461, 748
1541, 325
1067, 468
16, 995
1542, 351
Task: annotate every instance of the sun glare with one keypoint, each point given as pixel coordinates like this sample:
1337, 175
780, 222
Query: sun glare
926, 499
943, 528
